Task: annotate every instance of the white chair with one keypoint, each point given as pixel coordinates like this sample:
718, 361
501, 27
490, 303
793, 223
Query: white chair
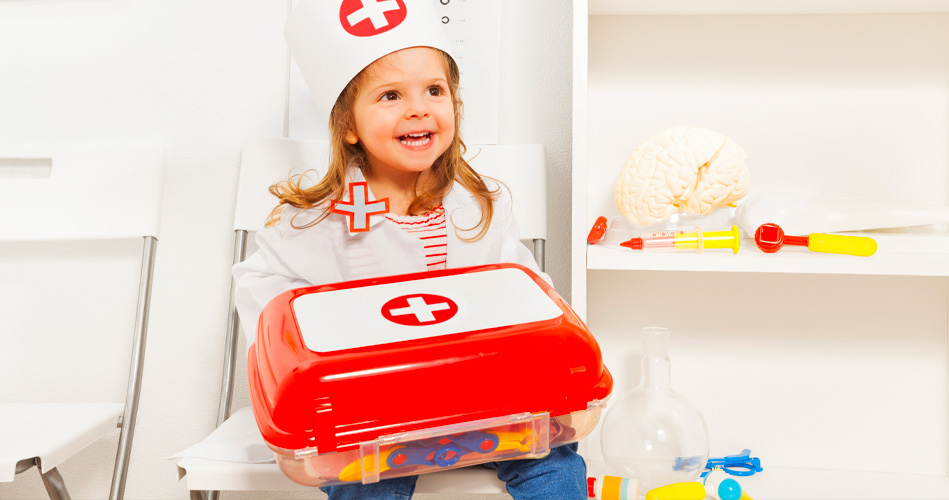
206, 466
66, 194
523, 170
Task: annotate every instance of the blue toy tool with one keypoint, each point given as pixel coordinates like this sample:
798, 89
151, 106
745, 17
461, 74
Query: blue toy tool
742, 464
443, 452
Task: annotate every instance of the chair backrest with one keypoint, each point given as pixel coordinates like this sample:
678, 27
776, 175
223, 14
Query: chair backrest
91, 192
522, 168
85, 192
265, 162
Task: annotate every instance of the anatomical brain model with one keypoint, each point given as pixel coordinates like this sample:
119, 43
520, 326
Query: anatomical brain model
687, 169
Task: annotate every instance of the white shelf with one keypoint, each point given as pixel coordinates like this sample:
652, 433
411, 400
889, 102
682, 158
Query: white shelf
727, 7
903, 255
779, 483
834, 99
799, 109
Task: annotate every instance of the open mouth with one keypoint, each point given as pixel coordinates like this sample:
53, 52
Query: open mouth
416, 139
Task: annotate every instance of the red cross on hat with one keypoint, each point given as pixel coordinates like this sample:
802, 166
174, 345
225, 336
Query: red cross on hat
371, 17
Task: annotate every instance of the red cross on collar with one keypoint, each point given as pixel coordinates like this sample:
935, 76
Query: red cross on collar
358, 209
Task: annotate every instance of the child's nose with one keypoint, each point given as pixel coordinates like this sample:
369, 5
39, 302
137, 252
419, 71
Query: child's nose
416, 108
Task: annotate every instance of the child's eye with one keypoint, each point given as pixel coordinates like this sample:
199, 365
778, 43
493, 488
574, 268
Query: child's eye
436, 90
389, 96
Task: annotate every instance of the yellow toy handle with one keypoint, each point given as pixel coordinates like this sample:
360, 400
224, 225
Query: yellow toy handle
860, 246
677, 491
723, 239
699, 240
353, 472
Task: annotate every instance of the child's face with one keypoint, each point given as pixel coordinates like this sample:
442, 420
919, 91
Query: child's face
403, 112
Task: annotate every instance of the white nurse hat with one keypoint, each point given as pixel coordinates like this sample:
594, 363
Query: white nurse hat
333, 40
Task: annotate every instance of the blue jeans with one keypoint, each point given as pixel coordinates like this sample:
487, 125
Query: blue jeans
561, 475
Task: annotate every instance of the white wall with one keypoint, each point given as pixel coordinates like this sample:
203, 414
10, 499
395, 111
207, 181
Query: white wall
202, 77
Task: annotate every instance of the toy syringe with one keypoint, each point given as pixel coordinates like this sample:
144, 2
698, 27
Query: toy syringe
695, 241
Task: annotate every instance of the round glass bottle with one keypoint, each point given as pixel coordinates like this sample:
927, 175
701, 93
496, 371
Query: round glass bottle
652, 433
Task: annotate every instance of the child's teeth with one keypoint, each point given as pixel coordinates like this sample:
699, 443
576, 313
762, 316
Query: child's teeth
424, 138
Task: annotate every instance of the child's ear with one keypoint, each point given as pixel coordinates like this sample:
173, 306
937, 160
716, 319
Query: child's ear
351, 137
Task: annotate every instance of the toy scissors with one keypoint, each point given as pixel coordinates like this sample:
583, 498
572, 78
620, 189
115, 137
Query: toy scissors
742, 464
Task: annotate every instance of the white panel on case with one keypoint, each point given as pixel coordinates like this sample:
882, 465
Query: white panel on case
356, 317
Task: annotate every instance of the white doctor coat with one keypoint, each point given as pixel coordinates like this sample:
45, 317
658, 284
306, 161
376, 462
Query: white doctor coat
327, 252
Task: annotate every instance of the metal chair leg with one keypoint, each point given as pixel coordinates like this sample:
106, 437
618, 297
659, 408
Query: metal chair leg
230, 343
25, 465
136, 370
55, 487
539, 254
230, 356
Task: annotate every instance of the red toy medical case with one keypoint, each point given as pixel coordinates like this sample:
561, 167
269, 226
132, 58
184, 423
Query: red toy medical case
378, 378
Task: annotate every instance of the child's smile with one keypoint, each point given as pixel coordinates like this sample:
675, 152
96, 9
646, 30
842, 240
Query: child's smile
417, 140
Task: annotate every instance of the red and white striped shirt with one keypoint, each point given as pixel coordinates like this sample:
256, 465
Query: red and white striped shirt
432, 230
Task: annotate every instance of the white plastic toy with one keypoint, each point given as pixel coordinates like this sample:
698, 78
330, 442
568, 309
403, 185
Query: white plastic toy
720, 486
688, 169
803, 214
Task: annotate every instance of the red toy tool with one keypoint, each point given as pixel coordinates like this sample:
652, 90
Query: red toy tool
770, 238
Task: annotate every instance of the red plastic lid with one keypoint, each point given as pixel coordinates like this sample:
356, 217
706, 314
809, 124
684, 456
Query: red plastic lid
597, 231
461, 345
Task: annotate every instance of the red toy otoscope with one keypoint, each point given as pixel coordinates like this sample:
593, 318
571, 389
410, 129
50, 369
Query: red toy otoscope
770, 238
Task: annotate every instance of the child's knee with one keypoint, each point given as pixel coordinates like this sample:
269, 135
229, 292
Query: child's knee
559, 475
562, 462
399, 488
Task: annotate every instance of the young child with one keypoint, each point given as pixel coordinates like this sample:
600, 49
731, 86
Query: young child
394, 124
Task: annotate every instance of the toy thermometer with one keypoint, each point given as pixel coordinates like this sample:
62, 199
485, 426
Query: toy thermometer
612, 488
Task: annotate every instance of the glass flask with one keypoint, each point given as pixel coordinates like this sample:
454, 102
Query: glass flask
652, 433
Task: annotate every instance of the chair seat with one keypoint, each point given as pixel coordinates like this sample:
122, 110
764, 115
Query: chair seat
51, 431
235, 457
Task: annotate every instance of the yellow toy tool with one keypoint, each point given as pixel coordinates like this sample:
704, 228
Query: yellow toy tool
678, 491
352, 472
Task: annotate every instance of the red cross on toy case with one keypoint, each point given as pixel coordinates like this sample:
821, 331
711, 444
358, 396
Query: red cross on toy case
358, 209
419, 309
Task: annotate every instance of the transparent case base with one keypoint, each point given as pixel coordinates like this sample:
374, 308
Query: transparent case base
518, 436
